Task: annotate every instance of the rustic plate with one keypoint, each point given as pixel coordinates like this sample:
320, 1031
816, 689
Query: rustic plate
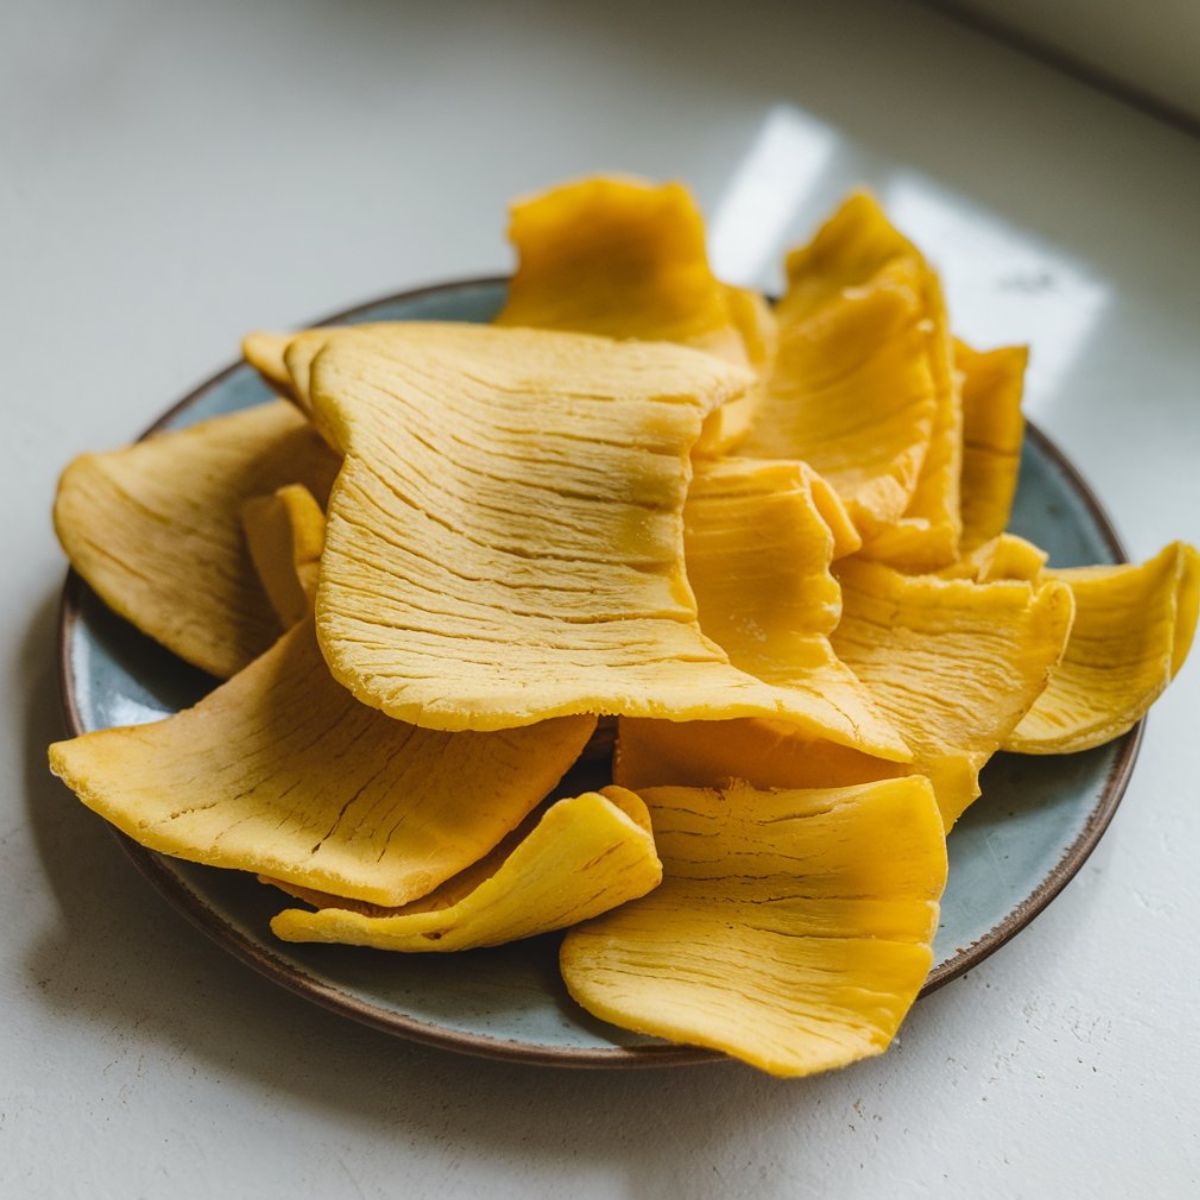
1010, 855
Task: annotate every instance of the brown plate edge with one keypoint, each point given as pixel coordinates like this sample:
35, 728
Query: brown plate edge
187, 902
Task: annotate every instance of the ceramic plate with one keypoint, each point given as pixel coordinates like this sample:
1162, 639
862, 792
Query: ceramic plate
1013, 851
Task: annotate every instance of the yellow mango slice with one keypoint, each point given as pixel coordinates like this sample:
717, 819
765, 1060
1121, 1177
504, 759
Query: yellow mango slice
863, 388
583, 856
282, 772
755, 322
1005, 556
927, 536
993, 429
264, 352
619, 257
156, 528
792, 929
285, 533
505, 539
953, 664
852, 394
758, 552
762, 752
628, 259
1133, 628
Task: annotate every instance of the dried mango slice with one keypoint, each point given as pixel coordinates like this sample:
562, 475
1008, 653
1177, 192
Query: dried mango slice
1006, 556
282, 772
285, 533
927, 536
628, 259
156, 529
619, 257
853, 255
505, 539
755, 322
953, 664
993, 429
1133, 629
762, 752
264, 352
758, 551
852, 394
584, 856
792, 929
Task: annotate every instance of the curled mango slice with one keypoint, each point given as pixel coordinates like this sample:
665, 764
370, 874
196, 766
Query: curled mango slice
1005, 556
627, 259
953, 664
264, 352
282, 772
792, 928
760, 751
505, 539
993, 429
758, 550
1133, 629
578, 859
852, 394
864, 384
156, 528
285, 532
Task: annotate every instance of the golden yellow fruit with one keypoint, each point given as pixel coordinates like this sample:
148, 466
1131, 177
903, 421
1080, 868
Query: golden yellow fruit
1005, 556
763, 752
156, 528
627, 259
993, 430
505, 539
863, 388
792, 929
285, 533
282, 772
579, 858
953, 664
758, 550
264, 352
1133, 629
852, 394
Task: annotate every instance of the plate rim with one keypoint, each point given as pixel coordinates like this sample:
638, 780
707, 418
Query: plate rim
184, 900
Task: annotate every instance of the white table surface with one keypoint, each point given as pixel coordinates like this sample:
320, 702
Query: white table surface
172, 175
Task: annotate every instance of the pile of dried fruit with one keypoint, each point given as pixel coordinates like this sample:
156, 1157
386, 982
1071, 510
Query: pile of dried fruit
770, 543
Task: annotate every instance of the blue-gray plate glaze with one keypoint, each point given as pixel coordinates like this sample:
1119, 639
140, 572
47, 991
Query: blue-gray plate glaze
1015, 848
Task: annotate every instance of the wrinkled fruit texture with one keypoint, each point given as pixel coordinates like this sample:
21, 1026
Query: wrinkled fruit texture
792, 928
1133, 629
852, 394
758, 549
582, 857
953, 664
504, 542
864, 388
282, 772
628, 259
264, 352
762, 752
285, 533
156, 528
1006, 556
993, 430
